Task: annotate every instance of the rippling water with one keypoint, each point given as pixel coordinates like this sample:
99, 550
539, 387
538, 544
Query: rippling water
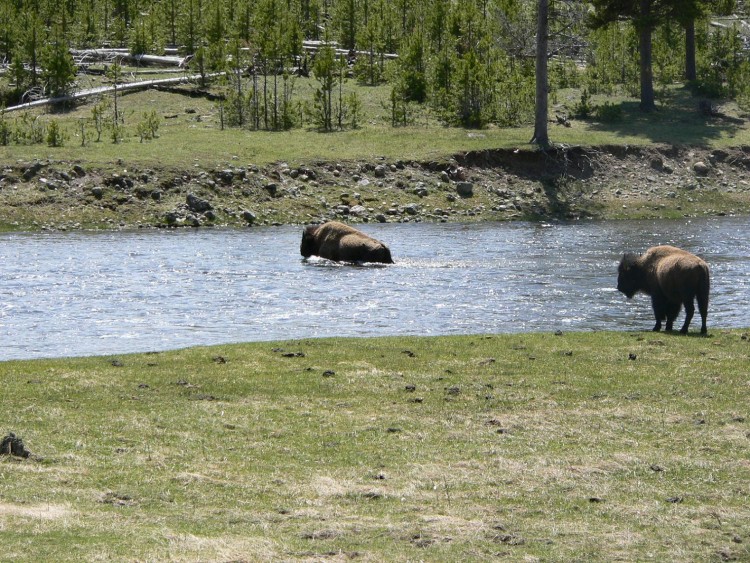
72, 294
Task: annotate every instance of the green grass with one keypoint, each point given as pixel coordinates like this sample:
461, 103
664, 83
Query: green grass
192, 138
522, 447
196, 138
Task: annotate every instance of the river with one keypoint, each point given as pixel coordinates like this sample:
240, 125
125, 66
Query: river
107, 293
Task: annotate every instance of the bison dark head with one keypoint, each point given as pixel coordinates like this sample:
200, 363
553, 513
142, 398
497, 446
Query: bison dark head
383, 254
629, 275
308, 245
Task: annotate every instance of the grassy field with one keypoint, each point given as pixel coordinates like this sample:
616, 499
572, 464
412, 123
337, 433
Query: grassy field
530, 447
190, 132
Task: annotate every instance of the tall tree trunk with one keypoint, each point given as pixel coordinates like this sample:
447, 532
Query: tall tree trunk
34, 48
648, 102
690, 72
541, 135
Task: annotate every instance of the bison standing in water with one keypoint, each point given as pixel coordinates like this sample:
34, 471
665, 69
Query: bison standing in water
672, 277
340, 242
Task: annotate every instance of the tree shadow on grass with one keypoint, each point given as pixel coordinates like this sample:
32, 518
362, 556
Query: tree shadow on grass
680, 119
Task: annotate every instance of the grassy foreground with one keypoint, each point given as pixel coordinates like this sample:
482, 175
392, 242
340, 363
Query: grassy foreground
581, 446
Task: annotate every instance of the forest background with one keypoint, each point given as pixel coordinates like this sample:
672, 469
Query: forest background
468, 63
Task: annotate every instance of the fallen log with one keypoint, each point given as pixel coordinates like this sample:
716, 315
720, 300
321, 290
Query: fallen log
126, 87
81, 56
315, 46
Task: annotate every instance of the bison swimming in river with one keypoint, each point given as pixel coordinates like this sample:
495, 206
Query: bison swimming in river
340, 242
672, 277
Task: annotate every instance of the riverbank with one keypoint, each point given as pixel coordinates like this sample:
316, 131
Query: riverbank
547, 446
605, 182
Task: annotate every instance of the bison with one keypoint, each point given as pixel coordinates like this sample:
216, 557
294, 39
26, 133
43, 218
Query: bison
672, 277
340, 242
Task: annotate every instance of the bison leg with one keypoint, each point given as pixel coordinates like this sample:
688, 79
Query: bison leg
689, 312
703, 310
672, 310
657, 302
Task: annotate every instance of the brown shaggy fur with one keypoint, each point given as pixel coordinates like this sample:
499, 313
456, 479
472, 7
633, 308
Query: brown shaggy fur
340, 242
673, 278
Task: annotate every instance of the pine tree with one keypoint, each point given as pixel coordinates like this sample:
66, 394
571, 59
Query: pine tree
58, 69
346, 23
325, 72
190, 26
645, 15
372, 39
30, 43
8, 17
278, 39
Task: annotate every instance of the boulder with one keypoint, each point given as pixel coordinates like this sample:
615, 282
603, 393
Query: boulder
457, 173
49, 184
701, 168
32, 171
172, 218
657, 163
197, 204
465, 189
249, 217
119, 182
225, 176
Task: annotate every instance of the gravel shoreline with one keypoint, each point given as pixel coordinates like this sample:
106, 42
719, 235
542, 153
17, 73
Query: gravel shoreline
566, 183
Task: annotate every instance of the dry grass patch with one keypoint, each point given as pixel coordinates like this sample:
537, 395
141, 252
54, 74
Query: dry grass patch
35, 512
188, 547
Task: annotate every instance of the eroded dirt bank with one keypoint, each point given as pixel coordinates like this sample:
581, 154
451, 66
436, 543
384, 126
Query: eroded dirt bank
564, 183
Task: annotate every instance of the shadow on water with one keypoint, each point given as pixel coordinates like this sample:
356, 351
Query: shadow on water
145, 291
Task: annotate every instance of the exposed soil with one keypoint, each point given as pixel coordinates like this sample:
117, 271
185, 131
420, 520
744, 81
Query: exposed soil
564, 183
